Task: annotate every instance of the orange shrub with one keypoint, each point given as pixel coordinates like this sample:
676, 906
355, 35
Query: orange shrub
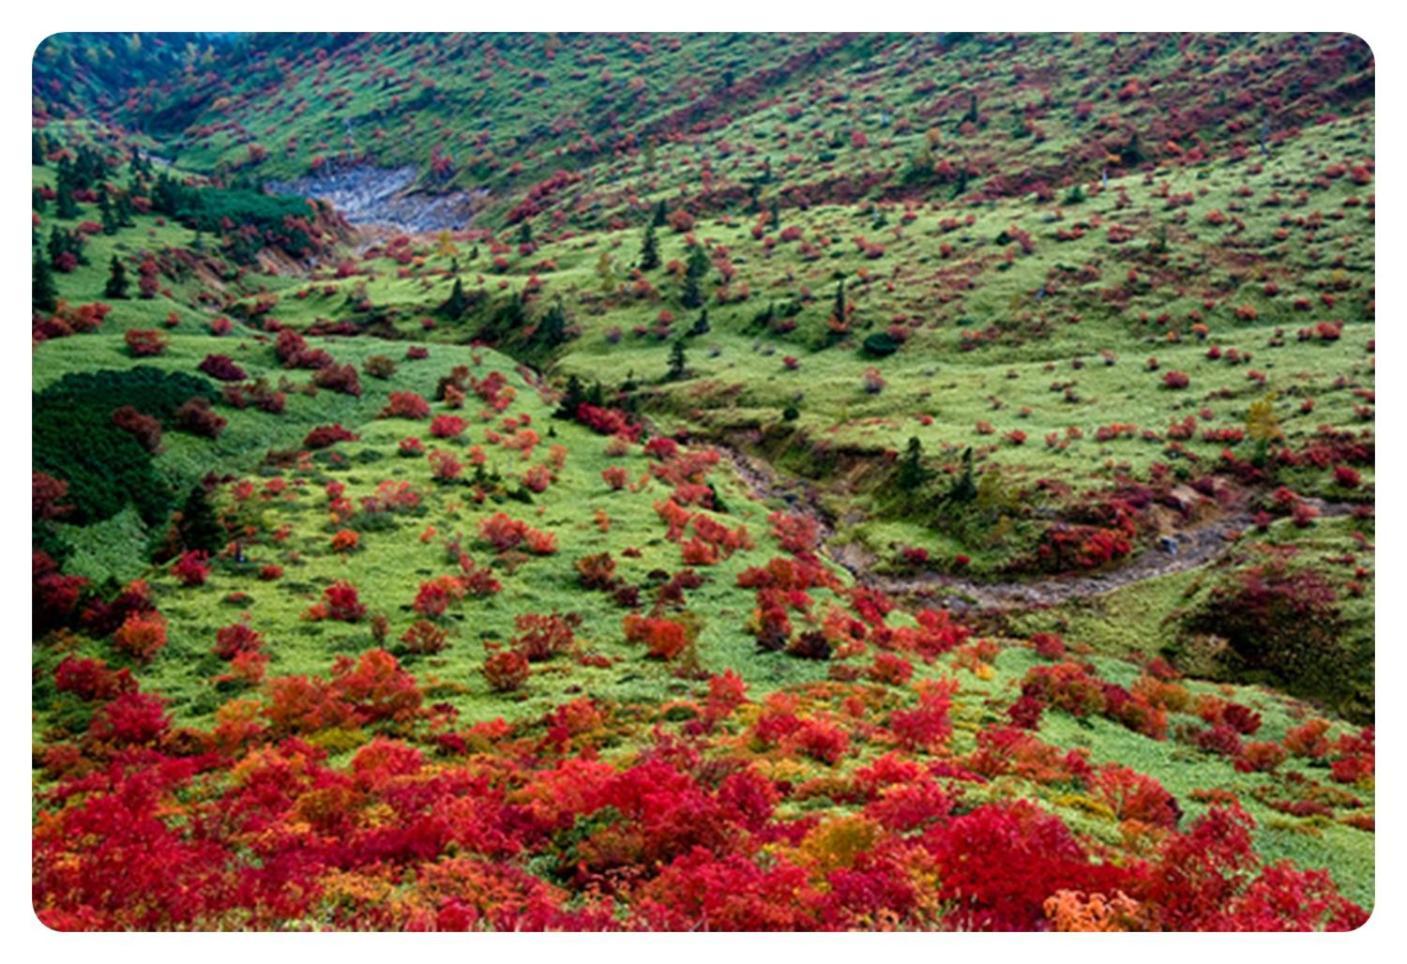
141, 635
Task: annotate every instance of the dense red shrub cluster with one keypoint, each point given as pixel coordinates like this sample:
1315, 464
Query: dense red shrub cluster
506, 670
293, 351
662, 638
222, 368
142, 635
198, 418
339, 378
144, 342
1076, 689
192, 568
540, 637
340, 601
672, 836
447, 426
504, 533
326, 436
409, 405
607, 421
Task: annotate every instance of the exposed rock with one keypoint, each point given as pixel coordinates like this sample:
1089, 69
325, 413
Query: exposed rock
371, 196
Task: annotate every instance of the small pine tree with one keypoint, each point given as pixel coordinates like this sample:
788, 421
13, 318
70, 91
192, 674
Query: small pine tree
694, 270
649, 250
971, 116
57, 244
964, 489
123, 207
678, 364
198, 526
838, 311
108, 215
552, 330
911, 475
701, 325
36, 149
661, 216
46, 295
572, 399
67, 206
116, 287
455, 306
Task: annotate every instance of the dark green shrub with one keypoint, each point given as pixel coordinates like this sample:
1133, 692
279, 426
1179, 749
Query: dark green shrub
880, 344
106, 467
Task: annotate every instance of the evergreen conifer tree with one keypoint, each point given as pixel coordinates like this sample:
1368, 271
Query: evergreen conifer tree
649, 250
116, 287
46, 295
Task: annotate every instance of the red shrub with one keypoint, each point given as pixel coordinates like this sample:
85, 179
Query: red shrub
1027, 855
1134, 796
145, 342
821, 741
340, 602
927, 726
1309, 740
325, 436
541, 637
339, 378
237, 638
447, 426
1048, 645
890, 669
503, 532
376, 687
797, 534
663, 638
1261, 757
443, 465
192, 568
410, 405
222, 368
131, 719
141, 635
424, 638
435, 595
506, 670
91, 679
197, 418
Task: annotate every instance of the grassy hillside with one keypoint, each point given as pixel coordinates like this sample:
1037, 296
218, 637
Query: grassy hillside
820, 461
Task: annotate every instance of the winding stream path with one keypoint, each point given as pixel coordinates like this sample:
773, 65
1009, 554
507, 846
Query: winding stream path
1190, 548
